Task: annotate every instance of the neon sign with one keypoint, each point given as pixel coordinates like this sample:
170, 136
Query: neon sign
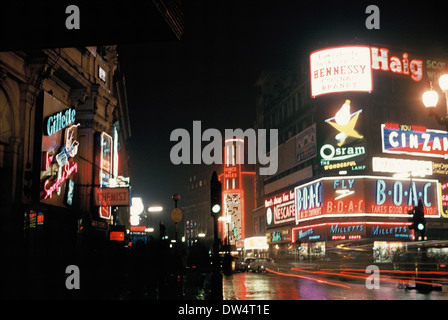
414, 68
366, 196
59, 121
308, 200
105, 170
283, 208
414, 140
352, 231
349, 68
69, 169
340, 69
348, 145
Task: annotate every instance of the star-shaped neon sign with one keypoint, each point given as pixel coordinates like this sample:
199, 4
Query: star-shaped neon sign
345, 123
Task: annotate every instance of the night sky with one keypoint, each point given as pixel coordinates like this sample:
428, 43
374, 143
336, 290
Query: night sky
209, 75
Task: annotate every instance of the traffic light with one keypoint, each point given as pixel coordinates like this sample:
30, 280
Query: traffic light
215, 195
419, 222
162, 230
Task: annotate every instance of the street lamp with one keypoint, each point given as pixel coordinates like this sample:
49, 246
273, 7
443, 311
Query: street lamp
155, 209
430, 99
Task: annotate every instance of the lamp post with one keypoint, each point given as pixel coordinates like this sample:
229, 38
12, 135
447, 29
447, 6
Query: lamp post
430, 99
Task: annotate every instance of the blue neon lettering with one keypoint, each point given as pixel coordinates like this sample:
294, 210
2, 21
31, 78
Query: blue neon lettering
398, 193
380, 194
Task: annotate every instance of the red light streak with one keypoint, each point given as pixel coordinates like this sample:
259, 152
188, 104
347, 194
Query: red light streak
309, 278
384, 278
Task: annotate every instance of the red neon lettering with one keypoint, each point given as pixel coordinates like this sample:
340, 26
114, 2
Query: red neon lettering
68, 170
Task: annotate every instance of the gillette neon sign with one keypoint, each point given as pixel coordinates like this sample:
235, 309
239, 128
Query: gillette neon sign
59, 121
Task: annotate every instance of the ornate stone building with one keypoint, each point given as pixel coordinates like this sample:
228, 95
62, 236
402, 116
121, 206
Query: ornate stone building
63, 126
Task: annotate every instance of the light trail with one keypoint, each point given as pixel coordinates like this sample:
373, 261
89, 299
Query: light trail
320, 280
385, 278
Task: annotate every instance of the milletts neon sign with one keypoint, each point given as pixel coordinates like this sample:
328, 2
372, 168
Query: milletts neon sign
352, 231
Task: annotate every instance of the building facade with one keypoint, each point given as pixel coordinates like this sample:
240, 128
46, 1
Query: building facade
352, 155
64, 132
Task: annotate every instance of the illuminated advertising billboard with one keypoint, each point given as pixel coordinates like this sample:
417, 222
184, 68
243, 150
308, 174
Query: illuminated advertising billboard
366, 196
341, 69
280, 208
344, 146
349, 68
233, 211
59, 149
414, 140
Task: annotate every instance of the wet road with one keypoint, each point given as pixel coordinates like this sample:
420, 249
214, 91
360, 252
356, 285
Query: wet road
296, 286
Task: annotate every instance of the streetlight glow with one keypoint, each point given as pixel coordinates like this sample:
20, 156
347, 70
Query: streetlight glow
443, 82
430, 98
216, 208
155, 209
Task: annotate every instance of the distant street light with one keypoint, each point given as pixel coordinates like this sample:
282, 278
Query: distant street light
430, 99
155, 209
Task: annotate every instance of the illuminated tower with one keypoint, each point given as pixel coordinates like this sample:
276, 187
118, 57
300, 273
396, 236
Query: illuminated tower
238, 194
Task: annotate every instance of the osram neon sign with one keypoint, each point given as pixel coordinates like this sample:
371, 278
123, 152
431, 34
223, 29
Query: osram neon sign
349, 68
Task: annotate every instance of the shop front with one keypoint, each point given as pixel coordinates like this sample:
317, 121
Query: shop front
376, 241
280, 217
355, 217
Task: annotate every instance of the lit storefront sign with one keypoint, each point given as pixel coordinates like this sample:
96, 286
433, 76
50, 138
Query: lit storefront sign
365, 196
112, 197
414, 140
344, 147
59, 147
280, 208
254, 243
335, 231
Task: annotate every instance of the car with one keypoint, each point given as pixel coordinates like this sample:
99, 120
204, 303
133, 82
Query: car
240, 265
260, 264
